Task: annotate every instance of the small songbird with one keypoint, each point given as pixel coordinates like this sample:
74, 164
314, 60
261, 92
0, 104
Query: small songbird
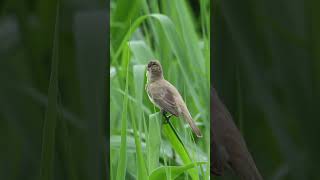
165, 96
227, 144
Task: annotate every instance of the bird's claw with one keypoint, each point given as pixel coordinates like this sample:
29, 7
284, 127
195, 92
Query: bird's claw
164, 113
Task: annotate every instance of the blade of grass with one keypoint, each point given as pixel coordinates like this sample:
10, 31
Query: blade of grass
115, 143
92, 74
121, 170
122, 15
48, 137
160, 173
141, 51
142, 171
138, 74
176, 143
66, 144
145, 109
154, 141
139, 77
188, 33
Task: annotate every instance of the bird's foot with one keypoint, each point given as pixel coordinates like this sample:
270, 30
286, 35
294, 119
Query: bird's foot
169, 116
164, 113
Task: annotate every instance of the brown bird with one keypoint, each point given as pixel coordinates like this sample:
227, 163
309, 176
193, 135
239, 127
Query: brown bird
228, 146
165, 96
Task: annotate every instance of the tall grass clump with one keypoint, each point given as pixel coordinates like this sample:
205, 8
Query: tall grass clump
142, 146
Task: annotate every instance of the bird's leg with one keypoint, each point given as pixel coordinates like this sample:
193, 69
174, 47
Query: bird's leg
164, 113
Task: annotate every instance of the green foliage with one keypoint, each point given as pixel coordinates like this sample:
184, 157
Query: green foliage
160, 173
154, 141
53, 115
49, 128
174, 37
123, 148
171, 134
266, 70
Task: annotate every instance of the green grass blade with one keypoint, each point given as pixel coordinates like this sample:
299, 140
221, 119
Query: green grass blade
176, 143
122, 15
154, 141
115, 144
141, 52
136, 113
121, 171
142, 171
132, 99
188, 34
48, 137
160, 173
138, 74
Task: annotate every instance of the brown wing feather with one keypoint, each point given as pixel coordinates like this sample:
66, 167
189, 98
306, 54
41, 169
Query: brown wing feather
164, 98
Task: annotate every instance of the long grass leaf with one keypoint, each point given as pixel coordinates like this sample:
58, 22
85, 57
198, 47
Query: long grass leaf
160, 173
154, 141
121, 171
48, 137
177, 144
142, 171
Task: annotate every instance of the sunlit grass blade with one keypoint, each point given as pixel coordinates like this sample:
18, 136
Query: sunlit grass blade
176, 142
141, 51
154, 141
160, 173
132, 99
115, 144
138, 74
121, 170
122, 15
141, 166
188, 34
136, 115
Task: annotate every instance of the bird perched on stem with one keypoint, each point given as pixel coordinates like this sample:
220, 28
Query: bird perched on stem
166, 97
228, 146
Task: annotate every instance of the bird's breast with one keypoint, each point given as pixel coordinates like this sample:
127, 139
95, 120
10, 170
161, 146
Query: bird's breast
150, 95
150, 98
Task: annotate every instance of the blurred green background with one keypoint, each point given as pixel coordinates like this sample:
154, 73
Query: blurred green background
53, 96
266, 64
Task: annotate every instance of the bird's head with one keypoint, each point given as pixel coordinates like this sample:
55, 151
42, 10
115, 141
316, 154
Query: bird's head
154, 70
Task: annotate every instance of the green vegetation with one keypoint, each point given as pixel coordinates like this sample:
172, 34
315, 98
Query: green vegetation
142, 147
266, 69
53, 90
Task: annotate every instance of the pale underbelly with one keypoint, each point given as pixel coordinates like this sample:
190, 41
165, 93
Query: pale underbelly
153, 102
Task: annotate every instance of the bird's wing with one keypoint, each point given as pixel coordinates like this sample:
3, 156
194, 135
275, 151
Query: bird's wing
165, 99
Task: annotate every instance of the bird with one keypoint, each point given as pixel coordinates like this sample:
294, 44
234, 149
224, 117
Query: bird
227, 144
165, 96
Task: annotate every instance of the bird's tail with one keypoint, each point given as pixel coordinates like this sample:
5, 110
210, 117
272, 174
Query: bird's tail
187, 117
245, 167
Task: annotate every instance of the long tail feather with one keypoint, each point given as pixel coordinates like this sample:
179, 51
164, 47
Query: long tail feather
187, 117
